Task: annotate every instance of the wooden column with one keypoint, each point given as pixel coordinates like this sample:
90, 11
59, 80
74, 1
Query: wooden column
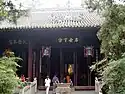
30, 60
37, 63
40, 68
74, 70
89, 71
48, 65
61, 73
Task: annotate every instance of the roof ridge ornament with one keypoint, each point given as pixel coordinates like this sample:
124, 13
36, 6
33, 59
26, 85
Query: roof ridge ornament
68, 4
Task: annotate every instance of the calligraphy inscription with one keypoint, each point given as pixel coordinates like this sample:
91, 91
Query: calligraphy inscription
17, 42
68, 40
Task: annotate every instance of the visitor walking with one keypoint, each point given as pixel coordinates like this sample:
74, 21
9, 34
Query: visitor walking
55, 80
47, 84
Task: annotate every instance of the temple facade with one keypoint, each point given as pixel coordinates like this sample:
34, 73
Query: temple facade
61, 42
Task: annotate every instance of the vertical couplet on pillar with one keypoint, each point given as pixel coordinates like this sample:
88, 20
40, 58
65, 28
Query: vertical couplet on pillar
34, 64
97, 55
30, 60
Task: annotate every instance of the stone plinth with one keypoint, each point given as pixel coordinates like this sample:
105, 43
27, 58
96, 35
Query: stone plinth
63, 88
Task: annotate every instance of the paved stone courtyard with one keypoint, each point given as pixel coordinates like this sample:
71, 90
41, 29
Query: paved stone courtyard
76, 92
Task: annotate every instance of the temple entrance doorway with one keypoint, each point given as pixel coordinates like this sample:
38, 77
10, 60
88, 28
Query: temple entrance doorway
67, 61
63, 63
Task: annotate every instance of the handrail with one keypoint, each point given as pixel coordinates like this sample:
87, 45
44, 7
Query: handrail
30, 89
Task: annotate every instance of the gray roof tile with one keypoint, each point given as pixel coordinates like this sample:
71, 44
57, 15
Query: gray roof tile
57, 19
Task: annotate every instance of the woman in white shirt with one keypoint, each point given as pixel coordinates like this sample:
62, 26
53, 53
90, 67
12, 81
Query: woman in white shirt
47, 84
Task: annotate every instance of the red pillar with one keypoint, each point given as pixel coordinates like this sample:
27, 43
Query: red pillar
30, 60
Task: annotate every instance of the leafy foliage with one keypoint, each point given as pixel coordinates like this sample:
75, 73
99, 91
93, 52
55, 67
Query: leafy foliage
23, 84
100, 5
112, 36
114, 76
9, 11
112, 32
8, 78
98, 67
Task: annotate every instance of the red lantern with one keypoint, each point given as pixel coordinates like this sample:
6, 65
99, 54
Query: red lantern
88, 51
46, 51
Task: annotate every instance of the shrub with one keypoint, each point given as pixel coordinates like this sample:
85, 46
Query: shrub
8, 78
114, 76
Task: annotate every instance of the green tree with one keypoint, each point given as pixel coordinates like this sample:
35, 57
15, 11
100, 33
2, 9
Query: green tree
114, 76
100, 5
112, 36
112, 32
10, 12
8, 78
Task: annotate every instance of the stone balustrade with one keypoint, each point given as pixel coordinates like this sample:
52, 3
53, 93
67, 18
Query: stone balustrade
29, 89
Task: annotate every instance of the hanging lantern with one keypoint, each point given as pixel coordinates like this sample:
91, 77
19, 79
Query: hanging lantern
46, 51
88, 51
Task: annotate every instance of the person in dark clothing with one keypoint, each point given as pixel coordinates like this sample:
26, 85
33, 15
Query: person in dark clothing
55, 80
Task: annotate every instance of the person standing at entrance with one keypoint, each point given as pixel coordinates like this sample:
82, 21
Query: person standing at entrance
47, 84
68, 79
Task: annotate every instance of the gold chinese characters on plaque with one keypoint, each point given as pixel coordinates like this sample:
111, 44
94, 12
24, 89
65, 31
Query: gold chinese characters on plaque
68, 40
17, 42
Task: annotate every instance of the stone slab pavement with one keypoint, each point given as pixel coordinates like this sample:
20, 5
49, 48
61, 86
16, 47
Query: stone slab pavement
76, 92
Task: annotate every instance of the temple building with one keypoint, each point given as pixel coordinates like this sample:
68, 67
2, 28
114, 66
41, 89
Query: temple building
61, 42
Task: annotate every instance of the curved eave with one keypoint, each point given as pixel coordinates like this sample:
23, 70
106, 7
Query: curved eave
49, 27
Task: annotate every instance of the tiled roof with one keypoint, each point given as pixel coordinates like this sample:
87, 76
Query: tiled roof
56, 19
